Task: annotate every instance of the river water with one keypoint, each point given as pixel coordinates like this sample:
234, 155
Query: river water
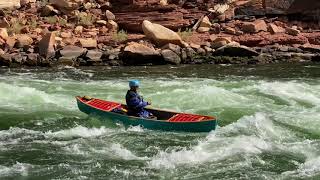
269, 123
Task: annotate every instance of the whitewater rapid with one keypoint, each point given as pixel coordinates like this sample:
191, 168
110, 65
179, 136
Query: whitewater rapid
268, 128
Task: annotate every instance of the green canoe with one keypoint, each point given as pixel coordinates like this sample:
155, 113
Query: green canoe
165, 120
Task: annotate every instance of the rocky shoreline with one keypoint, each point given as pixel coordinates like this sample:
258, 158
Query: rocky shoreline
157, 32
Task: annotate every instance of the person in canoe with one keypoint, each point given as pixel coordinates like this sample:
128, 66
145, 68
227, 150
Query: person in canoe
135, 102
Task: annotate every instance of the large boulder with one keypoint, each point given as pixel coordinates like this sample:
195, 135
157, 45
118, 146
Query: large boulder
94, 56
3, 33
49, 10
9, 4
160, 34
254, 27
110, 15
218, 42
205, 22
136, 54
170, 56
234, 49
88, 42
292, 31
24, 40
46, 45
69, 54
66, 5
274, 29
173, 47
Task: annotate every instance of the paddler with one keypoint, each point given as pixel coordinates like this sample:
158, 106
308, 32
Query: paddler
135, 102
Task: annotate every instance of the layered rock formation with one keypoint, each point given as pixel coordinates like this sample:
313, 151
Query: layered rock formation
304, 9
140, 32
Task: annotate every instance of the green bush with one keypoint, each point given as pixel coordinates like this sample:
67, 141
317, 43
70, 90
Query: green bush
186, 34
51, 20
15, 26
86, 19
120, 36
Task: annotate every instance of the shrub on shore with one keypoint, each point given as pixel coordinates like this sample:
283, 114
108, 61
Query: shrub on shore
120, 36
186, 34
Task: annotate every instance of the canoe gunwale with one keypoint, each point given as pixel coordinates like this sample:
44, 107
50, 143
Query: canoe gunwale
79, 99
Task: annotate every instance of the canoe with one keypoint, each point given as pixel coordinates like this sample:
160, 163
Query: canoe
165, 120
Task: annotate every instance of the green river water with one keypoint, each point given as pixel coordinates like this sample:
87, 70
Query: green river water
269, 123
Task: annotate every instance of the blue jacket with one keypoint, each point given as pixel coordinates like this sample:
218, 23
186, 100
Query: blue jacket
136, 105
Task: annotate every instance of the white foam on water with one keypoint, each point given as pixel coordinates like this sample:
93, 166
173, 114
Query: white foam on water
203, 93
128, 174
124, 153
80, 131
16, 169
218, 147
135, 129
24, 97
16, 135
309, 168
292, 91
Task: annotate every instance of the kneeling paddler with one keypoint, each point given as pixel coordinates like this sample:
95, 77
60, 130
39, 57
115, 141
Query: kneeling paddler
135, 102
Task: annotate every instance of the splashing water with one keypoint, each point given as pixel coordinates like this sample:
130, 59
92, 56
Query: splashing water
269, 122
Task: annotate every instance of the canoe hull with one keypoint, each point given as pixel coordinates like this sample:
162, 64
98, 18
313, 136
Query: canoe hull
202, 126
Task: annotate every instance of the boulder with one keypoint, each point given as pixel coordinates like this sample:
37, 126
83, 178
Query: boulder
274, 29
49, 10
70, 53
11, 4
218, 44
205, 22
221, 38
235, 50
88, 42
112, 25
3, 33
18, 58
170, 56
208, 49
203, 29
230, 30
135, 54
292, 31
160, 34
201, 51
33, 59
5, 59
66, 5
219, 9
173, 47
11, 42
46, 45
163, 2
101, 22
238, 33
94, 55
110, 15
23, 40
66, 34
195, 46
216, 28
78, 30
254, 27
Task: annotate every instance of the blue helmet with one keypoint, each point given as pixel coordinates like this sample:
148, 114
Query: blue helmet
134, 83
